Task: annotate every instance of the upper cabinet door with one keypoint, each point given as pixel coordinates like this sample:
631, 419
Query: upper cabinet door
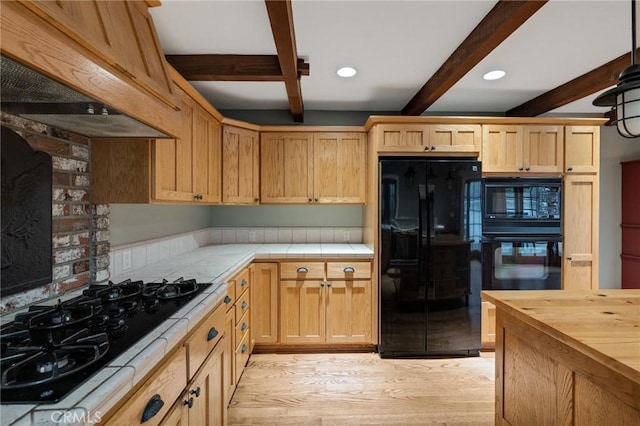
402, 137
501, 148
455, 138
240, 165
286, 168
582, 149
339, 168
543, 149
207, 157
173, 160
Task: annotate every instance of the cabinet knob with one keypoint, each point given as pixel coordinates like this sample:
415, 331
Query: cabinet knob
433, 148
316, 200
520, 168
527, 168
568, 257
195, 392
256, 199
188, 402
243, 349
152, 408
328, 283
244, 305
426, 148
244, 326
227, 299
302, 270
349, 270
321, 284
243, 282
569, 169
311, 200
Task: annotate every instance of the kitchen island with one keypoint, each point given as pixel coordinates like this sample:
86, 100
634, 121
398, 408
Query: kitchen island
567, 357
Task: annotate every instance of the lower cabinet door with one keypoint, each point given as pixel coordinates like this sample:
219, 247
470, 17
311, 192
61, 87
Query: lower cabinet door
302, 311
348, 307
206, 395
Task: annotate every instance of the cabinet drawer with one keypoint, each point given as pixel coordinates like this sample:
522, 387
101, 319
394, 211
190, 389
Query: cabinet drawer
230, 297
242, 327
242, 306
242, 356
302, 270
242, 283
167, 384
348, 270
204, 338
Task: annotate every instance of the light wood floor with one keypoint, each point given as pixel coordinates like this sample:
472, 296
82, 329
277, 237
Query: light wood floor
363, 389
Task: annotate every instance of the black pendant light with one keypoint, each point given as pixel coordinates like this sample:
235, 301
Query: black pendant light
625, 97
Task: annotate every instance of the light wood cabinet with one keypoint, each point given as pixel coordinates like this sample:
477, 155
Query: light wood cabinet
580, 232
312, 167
120, 33
339, 169
286, 168
240, 166
522, 149
335, 307
241, 323
204, 402
183, 170
582, 149
437, 138
264, 303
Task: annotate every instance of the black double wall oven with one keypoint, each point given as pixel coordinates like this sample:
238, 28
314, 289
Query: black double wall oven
521, 233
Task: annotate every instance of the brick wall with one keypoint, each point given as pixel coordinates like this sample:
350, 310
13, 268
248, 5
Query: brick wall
80, 229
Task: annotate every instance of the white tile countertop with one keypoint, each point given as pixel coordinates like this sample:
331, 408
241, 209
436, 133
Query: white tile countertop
213, 264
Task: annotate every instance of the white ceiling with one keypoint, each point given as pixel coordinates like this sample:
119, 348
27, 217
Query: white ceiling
396, 46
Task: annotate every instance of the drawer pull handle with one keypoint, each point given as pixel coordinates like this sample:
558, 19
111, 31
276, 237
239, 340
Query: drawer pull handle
243, 349
243, 282
152, 408
569, 169
244, 305
244, 326
212, 334
227, 299
188, 402
568, 257
302, 270
195, 392
349, 270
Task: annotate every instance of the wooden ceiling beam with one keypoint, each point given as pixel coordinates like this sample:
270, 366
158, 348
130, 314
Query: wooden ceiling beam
587, 84
281, 19
231, 67
505, 17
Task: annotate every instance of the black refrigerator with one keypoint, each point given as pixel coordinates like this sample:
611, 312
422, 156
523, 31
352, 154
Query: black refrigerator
430, 247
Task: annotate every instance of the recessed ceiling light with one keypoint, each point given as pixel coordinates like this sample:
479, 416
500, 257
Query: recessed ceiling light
346, 72
494, 75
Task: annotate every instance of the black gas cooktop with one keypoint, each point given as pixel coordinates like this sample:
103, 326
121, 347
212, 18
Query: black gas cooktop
51, 349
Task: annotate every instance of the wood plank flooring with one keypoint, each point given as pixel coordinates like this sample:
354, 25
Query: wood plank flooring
363, 389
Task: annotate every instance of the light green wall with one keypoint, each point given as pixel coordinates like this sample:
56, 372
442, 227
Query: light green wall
287, 216
137, 222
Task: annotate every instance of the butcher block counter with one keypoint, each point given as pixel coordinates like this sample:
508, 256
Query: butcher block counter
568, 357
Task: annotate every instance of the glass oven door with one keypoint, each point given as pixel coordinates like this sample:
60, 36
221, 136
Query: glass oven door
522, 263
